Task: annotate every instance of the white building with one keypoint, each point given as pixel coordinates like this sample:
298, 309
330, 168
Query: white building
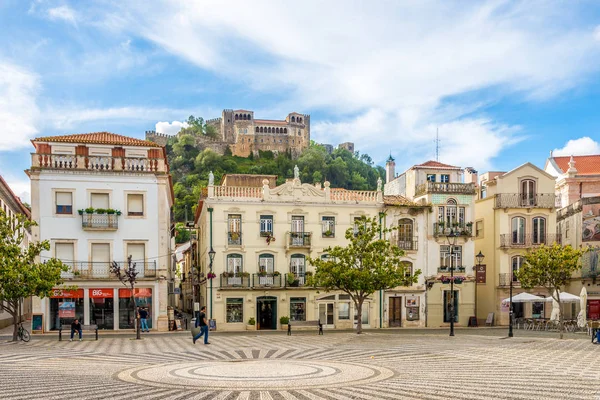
11, 205
99, 198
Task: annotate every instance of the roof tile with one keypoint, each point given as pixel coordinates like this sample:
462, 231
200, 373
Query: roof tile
585, 165
435, 164
98, 138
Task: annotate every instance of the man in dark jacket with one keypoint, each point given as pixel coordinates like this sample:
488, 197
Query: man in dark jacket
203, 324
76, 326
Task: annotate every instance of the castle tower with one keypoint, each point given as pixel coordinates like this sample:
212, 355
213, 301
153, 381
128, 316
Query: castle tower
390, 169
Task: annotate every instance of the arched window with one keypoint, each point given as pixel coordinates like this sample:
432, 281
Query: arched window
268, 130
300, 120
234, 264
284, 130
518, 230
539, 230
256, 130
517, 261
261, 129
528, 197
266, 263
405, 234
408, 268
293, 119
298, 266
237, 117
276, 130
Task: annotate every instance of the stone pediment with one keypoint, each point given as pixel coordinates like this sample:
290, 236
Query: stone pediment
295, 190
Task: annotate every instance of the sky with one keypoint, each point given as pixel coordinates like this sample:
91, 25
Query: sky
502, 82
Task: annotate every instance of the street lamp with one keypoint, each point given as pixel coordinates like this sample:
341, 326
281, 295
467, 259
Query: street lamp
451, 241
479, 258
510, 306
211, 257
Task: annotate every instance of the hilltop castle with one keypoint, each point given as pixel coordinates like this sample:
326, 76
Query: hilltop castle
244, 135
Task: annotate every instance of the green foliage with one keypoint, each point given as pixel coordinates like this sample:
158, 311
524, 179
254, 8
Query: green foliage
367, 264
182, 234
190, 167
284, 320
252, 321
551, 267
20, 275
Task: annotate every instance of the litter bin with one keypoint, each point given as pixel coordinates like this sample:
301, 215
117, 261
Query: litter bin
195, 330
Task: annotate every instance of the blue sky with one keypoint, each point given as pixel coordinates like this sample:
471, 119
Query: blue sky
503, 82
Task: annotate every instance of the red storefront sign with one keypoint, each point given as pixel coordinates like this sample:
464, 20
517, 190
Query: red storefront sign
143, 292
593, 311
101, 293
67, 294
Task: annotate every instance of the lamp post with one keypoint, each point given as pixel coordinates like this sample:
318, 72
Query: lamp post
451, 241
510, 307
479, 258
211, 255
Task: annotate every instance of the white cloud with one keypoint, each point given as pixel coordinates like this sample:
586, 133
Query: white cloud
19, 112
170, 128
578, 147
21, 188
64, 13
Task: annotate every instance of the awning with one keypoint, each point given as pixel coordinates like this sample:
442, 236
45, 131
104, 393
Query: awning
565, 298
524, 298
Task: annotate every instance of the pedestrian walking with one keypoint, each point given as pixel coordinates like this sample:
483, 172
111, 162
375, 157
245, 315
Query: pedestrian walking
144, 319
76, 326
203, 324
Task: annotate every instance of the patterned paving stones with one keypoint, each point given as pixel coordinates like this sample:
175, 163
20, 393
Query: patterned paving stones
334, 366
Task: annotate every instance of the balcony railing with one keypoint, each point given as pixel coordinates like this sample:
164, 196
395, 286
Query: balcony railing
504, 280
100, 222
407, 243
97, 163
457, 269
590, 264
234, 238
523, 200
508, 240
299, 239
101, 270
440, 187
266, 280
295, 280
443, 229
235, 280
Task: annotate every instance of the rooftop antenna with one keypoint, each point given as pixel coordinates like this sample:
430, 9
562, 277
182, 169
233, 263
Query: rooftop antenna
437, 144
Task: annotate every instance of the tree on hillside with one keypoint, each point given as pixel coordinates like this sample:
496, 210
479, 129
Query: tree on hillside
21, 276
367, 264
197, 127
551, 267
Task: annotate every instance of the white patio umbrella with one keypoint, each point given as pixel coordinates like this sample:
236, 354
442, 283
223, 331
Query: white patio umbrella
565, 298
524, 298
555, 315
582, 316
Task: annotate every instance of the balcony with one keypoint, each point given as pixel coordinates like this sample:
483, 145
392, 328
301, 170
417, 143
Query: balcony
508, 240
234, 238
99, 222
101, 270
299, 239
98, 163
504, 281
231, 280
521, 200
445, 188
266, 280
463, 229
407, 243
457, 269
296, 280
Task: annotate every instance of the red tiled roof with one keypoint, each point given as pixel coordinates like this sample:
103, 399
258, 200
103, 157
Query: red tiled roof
585, 165
98, 138
435, 164
397, 200
270, 122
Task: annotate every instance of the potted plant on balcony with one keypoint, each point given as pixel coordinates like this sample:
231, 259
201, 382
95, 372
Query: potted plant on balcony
245, 274
211, 275
89, 210
262, 273
445, 279
111, 211
284, 321
292, 281
234, 236
226, 274
328, 233
81, 211
270, 238
118, 212
276, 273
251, 324
100, 211
458, 280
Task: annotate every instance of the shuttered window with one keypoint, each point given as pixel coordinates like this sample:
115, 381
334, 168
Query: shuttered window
100, 253
64, 203
135, 204
64, 252
100, 200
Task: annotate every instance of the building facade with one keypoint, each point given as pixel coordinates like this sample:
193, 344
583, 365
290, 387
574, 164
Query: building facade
101, 198
516, 212
445, 235
11, 205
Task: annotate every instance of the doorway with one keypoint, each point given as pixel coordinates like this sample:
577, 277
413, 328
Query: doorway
448, 305
326, 314
395, 311
266, 312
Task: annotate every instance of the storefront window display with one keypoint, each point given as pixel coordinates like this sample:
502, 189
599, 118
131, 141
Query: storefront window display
143, 298
298, 309
344, 310
102, 308
235, 310
65, 306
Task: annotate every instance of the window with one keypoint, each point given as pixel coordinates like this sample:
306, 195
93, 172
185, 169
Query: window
405, 234
445, 178
266, 225
297, 308
479, 228
483, 193
297, 265
344, 310
453, 260
517, 261
430, 177
65, 252
328, 226
137, 251
356, 221
408, 269
234, 223
64, 203
234, 264
266, 263
99, 200
135, 204
364, 315
527, 193
518, 230
539, 230
567, 229
235, 310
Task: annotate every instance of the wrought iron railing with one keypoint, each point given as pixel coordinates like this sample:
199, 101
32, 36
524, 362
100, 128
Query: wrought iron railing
508, 240
407, 243
441, 187
266, 280
299, 239
525, 200
95, 221
457, 269
504, 280
235, 280
101, 270
234, 238
295, 280
460, 229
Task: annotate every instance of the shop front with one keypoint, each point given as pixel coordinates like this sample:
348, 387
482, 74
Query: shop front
102, 307
127, 312
65, 306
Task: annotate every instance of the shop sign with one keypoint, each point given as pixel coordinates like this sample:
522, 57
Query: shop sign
66, 309
67, 294
142, 292
101, 293
480, 274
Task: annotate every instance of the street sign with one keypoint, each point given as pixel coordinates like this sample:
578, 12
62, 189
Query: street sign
480, 273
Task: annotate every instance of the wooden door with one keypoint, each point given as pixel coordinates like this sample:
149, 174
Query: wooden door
395, 312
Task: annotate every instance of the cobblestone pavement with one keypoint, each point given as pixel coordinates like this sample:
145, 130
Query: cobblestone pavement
334, 366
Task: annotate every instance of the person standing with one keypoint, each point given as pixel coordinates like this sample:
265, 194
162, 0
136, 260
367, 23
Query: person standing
76, 326
144, 319
203, 324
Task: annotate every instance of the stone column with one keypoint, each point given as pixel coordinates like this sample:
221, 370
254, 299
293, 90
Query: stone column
162, 296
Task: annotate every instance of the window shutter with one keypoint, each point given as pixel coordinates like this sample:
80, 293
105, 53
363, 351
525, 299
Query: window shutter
101, 252
135, 203
64, 252
137, 252
64, 199
100, 200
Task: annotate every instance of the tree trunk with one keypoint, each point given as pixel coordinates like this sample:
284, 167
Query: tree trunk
15, 322
560, 315
358, 305
136, 326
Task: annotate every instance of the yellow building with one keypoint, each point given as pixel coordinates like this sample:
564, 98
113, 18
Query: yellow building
515, 212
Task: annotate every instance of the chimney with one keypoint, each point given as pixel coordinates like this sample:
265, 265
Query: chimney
471, 175
390, 169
